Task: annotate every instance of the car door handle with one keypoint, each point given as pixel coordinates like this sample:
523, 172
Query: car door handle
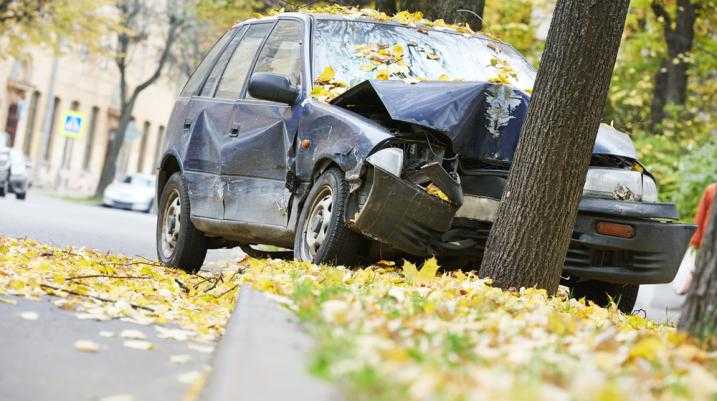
234, 131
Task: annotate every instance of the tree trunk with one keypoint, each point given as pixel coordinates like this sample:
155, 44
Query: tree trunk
671, 79
530, 238
109, 166
699, 313
387, 6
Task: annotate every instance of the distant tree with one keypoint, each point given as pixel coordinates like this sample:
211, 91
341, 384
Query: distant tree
147, 24
679, 33
24, 23
531, 234
211, 18
699, 312
453, 11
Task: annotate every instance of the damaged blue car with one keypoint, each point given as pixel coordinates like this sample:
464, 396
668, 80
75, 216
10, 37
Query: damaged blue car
351, 140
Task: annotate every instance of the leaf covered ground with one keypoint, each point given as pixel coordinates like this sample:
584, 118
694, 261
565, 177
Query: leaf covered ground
387, 332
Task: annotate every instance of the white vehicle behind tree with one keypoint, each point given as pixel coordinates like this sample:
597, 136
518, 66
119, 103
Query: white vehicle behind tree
134, 192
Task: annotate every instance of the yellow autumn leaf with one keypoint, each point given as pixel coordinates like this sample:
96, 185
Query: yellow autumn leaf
382, 74
326, 75
435, 191
424, 275
647, 348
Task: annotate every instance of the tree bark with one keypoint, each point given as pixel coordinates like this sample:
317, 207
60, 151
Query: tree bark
387, 6
671, 79
453, 11
535, 219
699, 313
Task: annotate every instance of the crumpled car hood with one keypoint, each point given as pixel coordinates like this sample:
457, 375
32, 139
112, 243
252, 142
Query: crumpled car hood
483, 120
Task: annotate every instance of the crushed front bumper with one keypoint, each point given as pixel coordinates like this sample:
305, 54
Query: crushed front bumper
404, 216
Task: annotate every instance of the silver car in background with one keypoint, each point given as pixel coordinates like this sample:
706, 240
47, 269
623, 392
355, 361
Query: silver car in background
14, 173
134, 192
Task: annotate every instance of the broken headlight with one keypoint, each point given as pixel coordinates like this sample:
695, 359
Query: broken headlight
649, 189
389, 160
619, 184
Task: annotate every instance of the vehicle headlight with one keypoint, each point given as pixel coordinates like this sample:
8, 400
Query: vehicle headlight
619, 184
649, 189
389, 160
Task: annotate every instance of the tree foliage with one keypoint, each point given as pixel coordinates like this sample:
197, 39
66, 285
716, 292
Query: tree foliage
51, 23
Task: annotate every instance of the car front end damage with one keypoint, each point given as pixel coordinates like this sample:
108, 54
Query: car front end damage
614, 240
429, 190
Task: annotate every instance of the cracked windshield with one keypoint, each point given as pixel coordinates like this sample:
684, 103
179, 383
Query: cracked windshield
359, 200
349, 52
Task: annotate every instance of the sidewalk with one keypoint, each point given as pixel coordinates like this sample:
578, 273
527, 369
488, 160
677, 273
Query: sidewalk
263, 356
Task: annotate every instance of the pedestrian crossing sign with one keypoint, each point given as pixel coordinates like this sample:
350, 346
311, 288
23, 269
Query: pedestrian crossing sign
73, 124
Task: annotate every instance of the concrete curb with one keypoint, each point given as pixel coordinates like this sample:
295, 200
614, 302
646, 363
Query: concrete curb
263, 356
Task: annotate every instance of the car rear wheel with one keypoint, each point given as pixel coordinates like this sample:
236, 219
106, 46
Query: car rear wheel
179, 243
322, 236
20, 196
600, 292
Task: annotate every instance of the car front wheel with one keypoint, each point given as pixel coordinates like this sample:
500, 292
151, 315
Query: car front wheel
179, 243
322, 236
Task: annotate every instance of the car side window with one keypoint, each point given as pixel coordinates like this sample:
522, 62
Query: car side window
195, 81
211, 83
232, 82
282, 52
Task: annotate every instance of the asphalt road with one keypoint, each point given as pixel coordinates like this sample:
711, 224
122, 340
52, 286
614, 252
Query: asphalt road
38, 360
61, 222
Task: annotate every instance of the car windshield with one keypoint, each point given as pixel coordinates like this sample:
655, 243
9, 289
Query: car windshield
359, 50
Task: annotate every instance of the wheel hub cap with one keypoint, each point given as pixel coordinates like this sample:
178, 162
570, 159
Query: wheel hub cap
171, 224
318, 223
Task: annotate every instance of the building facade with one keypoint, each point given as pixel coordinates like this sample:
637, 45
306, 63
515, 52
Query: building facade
38, 91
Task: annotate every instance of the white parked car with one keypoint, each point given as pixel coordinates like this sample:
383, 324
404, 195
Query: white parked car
134, 192
14, 173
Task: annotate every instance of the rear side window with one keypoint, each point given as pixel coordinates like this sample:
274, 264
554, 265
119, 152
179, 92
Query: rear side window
232, 81
282, 52
211, 84
195, 81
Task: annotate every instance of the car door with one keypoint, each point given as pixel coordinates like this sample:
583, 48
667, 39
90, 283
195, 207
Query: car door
201, 169
209, 121
254, 161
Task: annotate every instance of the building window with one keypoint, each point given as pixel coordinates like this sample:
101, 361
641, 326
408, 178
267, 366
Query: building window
51, 130
90, 141
30, 127
158, 145
143, 146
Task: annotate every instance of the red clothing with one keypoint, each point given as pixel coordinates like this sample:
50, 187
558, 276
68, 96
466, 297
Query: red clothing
704, 210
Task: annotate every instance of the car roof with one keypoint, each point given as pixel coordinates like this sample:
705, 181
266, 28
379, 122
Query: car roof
306, 15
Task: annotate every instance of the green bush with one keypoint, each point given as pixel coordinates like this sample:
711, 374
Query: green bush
696, 170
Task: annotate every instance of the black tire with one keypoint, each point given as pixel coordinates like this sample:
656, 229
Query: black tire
2, 191
20, 196
340, 246
600, 292
190, 245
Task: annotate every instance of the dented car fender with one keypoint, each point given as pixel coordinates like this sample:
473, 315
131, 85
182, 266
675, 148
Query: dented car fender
335, 135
